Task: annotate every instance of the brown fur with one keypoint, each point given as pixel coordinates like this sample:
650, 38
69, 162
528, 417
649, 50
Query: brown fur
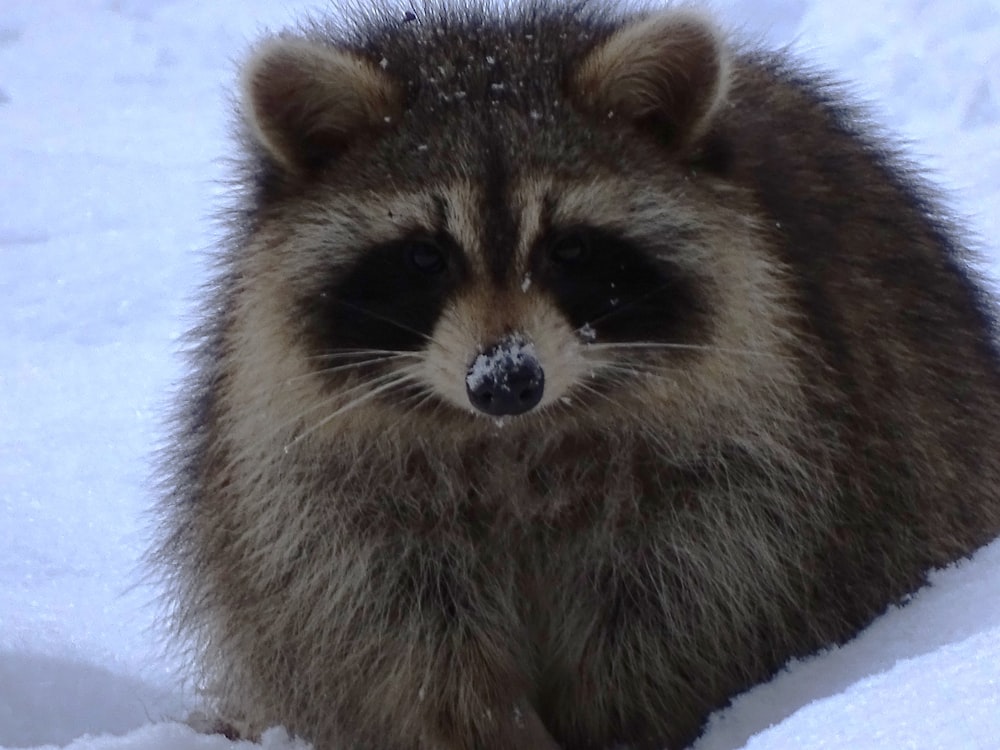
357, 554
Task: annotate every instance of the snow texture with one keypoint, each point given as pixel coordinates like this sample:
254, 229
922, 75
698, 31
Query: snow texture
499, 362
113, 116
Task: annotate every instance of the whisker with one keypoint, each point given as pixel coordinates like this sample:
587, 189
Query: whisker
384, 319
341, 368
374, 354
647, 345
630, 303
665, 371
586, 387
649, 427
417, 399
338, 395
637, 368
395, 382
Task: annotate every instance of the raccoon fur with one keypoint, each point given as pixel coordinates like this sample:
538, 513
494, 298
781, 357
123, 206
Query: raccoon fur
567, 370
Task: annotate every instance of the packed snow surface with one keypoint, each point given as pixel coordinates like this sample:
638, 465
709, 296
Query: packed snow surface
113, 116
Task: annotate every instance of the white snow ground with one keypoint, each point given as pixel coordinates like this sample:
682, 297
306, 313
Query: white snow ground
112, 116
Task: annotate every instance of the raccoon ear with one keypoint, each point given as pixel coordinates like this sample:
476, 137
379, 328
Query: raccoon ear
668, 73
306, 102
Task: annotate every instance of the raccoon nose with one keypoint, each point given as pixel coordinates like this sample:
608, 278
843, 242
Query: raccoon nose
506, 379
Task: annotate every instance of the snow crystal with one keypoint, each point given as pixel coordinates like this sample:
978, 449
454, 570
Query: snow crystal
499, 362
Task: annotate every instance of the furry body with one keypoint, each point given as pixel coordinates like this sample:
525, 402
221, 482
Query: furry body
769, 400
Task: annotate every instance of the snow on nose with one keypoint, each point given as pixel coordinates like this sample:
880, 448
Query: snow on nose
506, 379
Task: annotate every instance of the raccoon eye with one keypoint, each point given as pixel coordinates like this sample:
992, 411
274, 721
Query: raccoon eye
570, 249
426, 257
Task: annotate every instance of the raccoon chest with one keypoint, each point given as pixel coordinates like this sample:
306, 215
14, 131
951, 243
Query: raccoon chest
569, 488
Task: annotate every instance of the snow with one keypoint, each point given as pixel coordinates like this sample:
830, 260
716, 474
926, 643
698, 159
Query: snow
925, 675
113, 116
174, 736
499, 362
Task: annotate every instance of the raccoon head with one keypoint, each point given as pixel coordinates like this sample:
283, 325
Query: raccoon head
474, 220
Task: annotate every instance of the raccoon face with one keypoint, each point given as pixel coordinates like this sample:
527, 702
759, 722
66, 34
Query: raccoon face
497, 288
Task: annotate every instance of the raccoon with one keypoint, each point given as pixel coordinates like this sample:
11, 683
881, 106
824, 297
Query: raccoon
567, 370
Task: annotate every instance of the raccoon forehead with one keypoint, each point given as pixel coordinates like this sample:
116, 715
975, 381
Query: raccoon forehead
612, 202
339, 228
345, 223
474, 51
